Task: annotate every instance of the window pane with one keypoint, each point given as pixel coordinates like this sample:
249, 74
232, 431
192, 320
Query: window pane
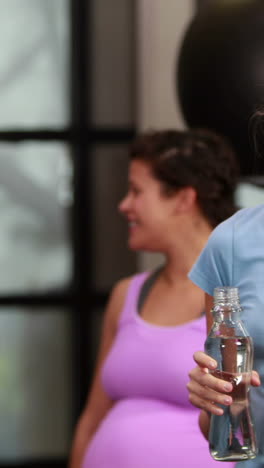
36, 383
113, 258
35, 199
248, 194
34, 63
113, 70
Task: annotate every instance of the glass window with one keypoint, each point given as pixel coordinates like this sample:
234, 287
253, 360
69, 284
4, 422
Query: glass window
36, 383
248, 194
34, 63
35, 200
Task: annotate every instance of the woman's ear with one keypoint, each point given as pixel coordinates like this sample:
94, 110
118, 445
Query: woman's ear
186, 198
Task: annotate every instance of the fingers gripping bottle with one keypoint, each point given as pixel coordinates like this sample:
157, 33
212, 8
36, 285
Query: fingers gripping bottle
231, 435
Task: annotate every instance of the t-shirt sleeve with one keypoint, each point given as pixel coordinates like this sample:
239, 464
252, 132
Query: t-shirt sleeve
214, 266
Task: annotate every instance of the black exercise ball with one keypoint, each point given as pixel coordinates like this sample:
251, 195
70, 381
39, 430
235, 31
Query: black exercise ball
220, 73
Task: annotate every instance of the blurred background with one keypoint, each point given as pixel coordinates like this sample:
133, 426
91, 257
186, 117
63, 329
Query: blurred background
78, 79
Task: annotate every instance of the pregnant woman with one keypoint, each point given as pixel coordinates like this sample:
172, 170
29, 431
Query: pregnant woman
181, 185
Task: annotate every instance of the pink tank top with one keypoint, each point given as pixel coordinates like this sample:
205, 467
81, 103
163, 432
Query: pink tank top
151, 361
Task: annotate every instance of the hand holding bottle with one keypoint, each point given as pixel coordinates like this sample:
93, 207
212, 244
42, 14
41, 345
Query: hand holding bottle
208, 392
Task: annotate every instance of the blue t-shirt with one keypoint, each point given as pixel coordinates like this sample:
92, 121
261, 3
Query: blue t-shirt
234, 256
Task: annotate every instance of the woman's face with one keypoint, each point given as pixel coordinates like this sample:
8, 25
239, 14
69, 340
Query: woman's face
148, 210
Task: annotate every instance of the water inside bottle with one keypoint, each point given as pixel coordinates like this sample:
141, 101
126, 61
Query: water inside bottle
232, 436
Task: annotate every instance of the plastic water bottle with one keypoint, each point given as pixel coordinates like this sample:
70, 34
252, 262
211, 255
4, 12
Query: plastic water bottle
231, 435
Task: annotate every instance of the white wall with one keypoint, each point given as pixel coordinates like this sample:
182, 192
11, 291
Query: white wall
161, 27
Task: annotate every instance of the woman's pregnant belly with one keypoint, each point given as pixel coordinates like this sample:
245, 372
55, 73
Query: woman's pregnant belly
143, 433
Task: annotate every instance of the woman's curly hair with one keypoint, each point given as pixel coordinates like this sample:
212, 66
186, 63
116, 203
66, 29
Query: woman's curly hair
198, 158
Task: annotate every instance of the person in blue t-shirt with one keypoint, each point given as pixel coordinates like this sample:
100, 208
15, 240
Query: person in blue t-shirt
233, 256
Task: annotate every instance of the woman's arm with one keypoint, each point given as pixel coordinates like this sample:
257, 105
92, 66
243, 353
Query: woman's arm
98, 402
